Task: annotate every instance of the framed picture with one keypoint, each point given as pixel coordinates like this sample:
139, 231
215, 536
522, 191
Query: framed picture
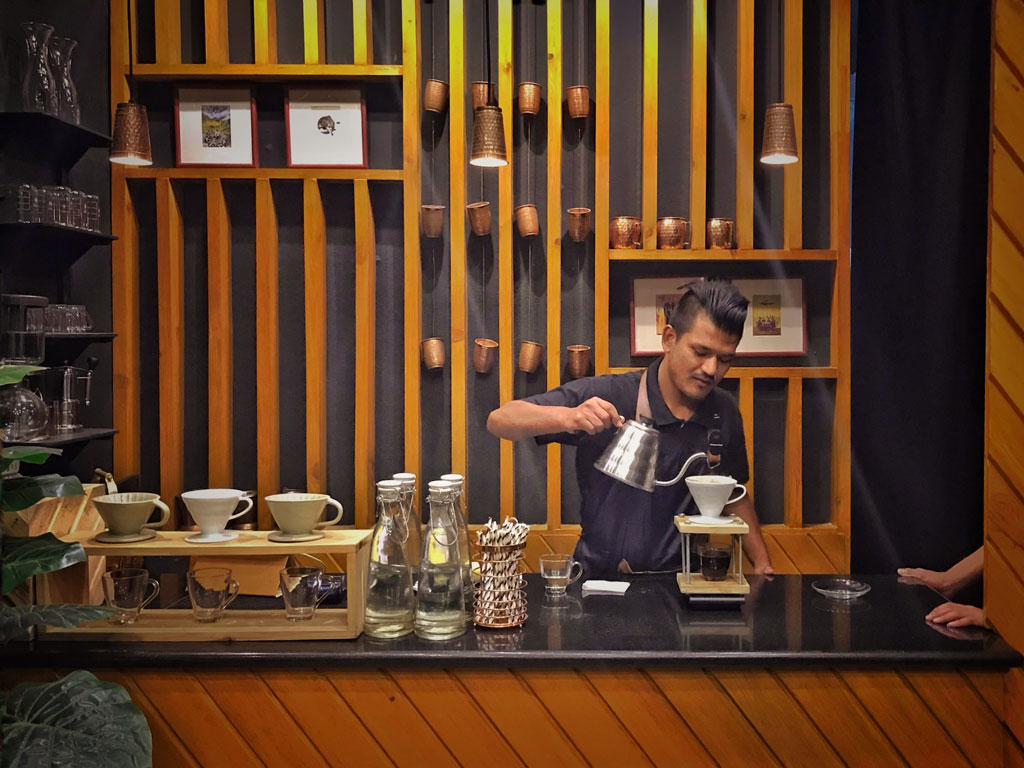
776, 320
215, 126
326, 127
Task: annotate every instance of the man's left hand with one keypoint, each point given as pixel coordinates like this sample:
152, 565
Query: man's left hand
764, 568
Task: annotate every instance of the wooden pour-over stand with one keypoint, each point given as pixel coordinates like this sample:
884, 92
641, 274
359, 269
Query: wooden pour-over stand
163, 624
735, 583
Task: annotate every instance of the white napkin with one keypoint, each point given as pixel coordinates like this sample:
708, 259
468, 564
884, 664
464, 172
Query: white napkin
599, 587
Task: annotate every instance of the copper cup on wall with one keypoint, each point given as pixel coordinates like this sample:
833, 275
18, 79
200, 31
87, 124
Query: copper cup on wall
484, 352
579, 224
527, 220
432, 220
481, 93
435, 95
673, 232
578, 99
625, 232
720, 234
529, 356
479, 217
529, 98
432, 350
578, 363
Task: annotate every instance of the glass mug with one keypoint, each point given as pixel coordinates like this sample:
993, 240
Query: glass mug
714, 561
125, 590
303, 589
557, 571
211, 590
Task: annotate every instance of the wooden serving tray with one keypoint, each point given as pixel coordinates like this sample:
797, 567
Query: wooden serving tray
698, 585
177, 624
685, 524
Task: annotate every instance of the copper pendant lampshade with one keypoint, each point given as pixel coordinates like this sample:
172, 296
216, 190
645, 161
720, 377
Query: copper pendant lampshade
778, 147
130, 142
488, 138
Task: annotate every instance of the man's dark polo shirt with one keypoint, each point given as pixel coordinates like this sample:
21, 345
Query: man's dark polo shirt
620, 522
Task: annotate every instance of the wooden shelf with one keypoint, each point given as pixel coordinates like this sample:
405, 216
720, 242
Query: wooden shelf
763, 372
330, 174
266, 72
686, 254
72, 438
172, 543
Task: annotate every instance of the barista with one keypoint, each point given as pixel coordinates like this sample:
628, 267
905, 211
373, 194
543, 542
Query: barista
624, 529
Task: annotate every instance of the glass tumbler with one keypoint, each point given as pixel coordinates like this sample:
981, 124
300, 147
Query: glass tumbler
125, 590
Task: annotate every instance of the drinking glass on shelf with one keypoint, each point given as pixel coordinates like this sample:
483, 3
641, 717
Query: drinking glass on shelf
92, 213
39, 198
125, 590
76, 209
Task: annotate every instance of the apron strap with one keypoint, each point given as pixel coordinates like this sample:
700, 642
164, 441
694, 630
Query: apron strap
643, 403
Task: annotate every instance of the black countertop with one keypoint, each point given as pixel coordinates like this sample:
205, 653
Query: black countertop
783, 622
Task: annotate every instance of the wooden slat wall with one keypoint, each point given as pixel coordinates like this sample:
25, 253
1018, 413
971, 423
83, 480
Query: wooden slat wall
632, 717
365, 412
1004, 428
171, 307
268, 427
554, 249
506, 286
314, 238
461, 345
219, 336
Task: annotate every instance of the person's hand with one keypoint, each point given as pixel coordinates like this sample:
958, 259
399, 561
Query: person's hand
593, 416
957, 615
937, 580
764, 568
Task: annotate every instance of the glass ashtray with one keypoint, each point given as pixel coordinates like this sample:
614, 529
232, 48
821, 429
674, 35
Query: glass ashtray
840, 588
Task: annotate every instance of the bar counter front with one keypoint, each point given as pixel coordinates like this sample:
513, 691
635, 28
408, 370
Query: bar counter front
790, 678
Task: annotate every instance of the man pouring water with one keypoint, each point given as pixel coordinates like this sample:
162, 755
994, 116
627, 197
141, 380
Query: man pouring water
625, 529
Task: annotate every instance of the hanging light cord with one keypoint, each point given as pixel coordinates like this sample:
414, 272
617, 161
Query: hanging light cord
491, 100
131, 55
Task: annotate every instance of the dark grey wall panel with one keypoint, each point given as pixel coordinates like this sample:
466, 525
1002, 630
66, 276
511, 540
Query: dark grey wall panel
241, 36
721, 128
290, 48
338, 36
191, 197
626, 107
387, 31
768, 88
193, 32
675, 53
818, 420
769, 449
817, 169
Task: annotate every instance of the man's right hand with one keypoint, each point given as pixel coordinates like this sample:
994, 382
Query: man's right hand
593, 416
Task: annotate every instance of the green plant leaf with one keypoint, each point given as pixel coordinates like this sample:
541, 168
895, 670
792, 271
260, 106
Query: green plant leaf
30, 454
12, 374
26, 556
22, 492
78, 720
16, 619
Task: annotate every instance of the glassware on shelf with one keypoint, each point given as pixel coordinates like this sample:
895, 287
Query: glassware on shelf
38, 90
16, 203
440, 595
76, 209
456, 482
92, 213
59, 50
22, 318
389, 598
23, 414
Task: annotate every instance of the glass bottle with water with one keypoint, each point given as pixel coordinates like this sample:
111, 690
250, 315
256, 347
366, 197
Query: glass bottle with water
389, 598
414, 545
467, 560
440, 596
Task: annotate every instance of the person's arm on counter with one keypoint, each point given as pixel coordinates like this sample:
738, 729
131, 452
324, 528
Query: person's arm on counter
519, 419
951, 579
753, 542
958, 615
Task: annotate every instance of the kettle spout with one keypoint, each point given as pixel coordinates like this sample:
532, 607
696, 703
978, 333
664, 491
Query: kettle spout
686, 466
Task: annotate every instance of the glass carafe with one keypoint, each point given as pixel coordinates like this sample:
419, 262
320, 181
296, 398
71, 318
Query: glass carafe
59, 50
440, 596
23, 414
415, 544
389, 599
467, 560
38, 91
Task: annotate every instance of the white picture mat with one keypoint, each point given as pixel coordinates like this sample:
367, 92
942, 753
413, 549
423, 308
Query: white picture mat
308, 145
190, 126
791, 340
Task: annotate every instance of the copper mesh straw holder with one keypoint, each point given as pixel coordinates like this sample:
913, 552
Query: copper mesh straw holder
432, 350
131, 135
529, 98
673, 232
481, 93
778, 145
624, 232
435, 95
579, 224
577, 98
579, 360
479, 217
527, 220
432, 220
484, 352
719, 234
529, 356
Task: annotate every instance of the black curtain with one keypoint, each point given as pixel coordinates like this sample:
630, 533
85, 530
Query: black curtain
920, 191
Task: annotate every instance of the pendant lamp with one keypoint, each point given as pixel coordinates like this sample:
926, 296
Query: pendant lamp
129, 144
488, 149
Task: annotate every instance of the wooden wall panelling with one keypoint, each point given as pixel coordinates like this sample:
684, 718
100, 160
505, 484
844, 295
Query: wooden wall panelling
554, 247
314, 37
323, 174
268, 447
1008, 101
746, 403
215, 17
602, 206
649, 153
167, 24
1009, 31
506, 284
171, 309
698, 124
125, 313
1007, 273
1004, 595
1004, 509
800, 548
1006, 434
219, 337
264, 18
1014, 703
314, 265
1007, 189
362, 31
745, 125
793, 462
793, 66
411, 211
1006, 350
366, 322
457, 223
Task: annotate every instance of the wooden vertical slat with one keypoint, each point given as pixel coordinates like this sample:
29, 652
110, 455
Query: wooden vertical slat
215, 14
362, 31
506, 286
411, 211
649, 163
170, 255
747, 414
314, 238
793, 472
167, 24
457, 222
366, 281
602, 150
219, 337
792, 226
554, 249
314, 38
839, 116
268, 447
698, 124
264, 18
124, 291
745, 124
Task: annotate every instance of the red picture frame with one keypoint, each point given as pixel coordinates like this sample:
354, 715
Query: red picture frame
253, 161
361, 130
